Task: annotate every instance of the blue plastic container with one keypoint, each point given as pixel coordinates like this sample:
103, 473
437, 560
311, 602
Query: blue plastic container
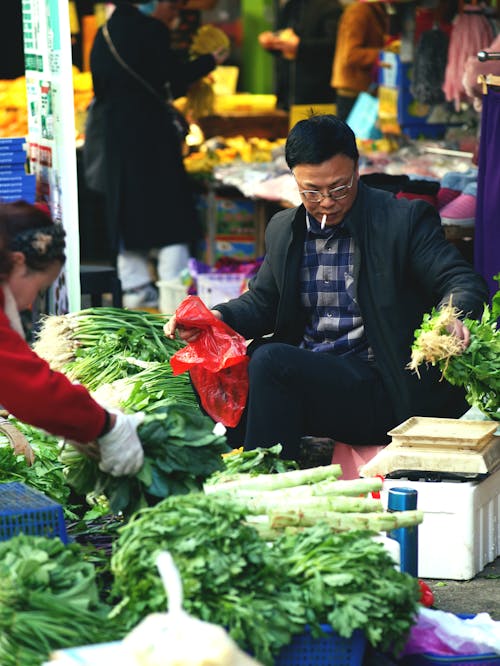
405, 499
328, 650
28, 511
428, 659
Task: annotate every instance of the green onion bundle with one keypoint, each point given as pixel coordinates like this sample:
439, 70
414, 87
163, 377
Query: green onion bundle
103, 334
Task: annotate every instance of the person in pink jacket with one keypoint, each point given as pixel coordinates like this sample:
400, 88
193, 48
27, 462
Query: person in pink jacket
32, 253
474, 67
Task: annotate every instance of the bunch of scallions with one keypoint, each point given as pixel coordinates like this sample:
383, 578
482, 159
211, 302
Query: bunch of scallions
120, 355
476, 367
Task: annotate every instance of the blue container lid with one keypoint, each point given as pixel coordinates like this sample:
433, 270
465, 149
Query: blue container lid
402, 499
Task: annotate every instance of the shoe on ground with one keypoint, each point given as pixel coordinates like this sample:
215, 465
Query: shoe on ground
142, 297
445, 196
460, 212
458, 180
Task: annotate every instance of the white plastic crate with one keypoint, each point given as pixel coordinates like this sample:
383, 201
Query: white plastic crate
171, 295
460, 533
214, 288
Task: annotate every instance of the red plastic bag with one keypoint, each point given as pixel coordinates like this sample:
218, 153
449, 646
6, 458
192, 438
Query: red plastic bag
217, 362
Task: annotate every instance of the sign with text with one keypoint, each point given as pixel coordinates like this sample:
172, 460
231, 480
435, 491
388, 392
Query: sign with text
51, 131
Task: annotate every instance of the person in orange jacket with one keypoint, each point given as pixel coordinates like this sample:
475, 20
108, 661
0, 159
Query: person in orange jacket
32, 253
360, 37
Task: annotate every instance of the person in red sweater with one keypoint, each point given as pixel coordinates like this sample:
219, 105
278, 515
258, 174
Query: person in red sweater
32, 253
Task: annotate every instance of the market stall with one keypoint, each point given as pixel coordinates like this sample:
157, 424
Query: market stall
274, 561
91, 542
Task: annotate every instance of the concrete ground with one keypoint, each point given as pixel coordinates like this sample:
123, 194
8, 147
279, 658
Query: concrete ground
479, 595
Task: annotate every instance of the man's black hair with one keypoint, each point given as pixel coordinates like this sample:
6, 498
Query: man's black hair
318, 139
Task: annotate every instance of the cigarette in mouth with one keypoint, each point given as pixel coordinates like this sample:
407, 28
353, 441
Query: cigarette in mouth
323, 221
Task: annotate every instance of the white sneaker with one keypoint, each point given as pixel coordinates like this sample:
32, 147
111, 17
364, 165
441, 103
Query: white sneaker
143, 297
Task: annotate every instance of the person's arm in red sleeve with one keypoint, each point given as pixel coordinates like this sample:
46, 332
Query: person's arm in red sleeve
35, 394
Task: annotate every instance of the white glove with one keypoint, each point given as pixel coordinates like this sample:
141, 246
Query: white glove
121, 449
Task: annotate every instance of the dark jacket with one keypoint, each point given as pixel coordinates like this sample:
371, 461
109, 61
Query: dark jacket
403, 267
306, 80
148, 196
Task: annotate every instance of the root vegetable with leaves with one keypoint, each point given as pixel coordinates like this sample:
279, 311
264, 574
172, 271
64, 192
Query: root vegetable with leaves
472, 362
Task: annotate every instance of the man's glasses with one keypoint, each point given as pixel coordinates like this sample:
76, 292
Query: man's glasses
336, 193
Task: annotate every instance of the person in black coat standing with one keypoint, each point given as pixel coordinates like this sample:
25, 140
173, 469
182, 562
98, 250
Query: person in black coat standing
304, 44
149, 203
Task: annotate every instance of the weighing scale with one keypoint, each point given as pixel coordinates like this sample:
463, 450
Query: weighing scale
438, 449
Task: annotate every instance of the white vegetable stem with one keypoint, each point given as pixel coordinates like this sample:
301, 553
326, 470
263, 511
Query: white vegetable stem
296, 477
171, 581
259, 504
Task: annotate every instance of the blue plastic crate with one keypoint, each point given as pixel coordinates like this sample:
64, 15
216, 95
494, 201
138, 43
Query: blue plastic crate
428, 659
328, 650
26, 510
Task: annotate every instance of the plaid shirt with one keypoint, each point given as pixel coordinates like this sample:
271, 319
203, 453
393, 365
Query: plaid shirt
334, 322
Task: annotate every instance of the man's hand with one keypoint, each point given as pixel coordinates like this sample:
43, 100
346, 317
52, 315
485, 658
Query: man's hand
121, 450
460, 331
186, 334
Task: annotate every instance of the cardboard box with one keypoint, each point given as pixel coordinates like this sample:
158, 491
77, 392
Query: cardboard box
242, 248
235, 216
460, 533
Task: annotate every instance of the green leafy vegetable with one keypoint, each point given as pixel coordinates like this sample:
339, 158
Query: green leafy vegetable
476, 368
255, 461
262, 593
82, 343
181, 451
230, 576
48, 600
350, 582
46, 473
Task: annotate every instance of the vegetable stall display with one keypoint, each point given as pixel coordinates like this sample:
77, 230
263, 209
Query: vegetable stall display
263, 594
123, 358
263, 548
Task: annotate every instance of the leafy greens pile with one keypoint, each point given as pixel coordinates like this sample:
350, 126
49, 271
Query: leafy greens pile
48, 600
46, 472
238, 463
263, 594
180, 452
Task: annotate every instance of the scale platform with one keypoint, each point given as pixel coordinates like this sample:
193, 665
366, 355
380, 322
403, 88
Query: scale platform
438, 449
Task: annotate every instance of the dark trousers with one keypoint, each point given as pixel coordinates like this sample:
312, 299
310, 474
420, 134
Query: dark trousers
295, 393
